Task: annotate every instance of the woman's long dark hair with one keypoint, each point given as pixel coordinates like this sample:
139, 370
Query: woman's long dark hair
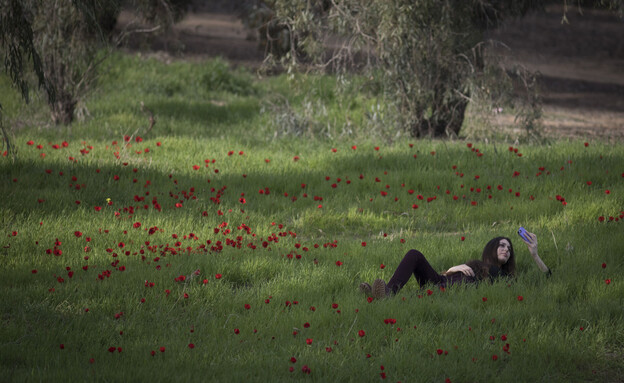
490, 256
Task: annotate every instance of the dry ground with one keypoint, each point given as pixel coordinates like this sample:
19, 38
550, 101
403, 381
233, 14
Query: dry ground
581, 66
581, 63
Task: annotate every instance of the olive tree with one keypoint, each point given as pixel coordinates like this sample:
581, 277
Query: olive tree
429, 53
67, 40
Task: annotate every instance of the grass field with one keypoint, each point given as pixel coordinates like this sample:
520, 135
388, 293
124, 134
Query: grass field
211, 249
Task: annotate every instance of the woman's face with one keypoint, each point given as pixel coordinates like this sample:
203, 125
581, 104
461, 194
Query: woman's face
503, 251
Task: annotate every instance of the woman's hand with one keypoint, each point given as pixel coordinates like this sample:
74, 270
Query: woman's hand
531, 243
463, 268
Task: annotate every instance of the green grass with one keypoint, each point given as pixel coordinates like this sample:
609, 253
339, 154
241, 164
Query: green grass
202, 116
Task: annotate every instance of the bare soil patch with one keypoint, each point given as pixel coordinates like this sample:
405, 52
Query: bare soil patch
581, 63
581, 66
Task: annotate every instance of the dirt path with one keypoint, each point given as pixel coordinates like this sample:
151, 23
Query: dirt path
581, 63
581, 66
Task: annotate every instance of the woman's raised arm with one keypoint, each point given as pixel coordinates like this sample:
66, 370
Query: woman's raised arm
532, 244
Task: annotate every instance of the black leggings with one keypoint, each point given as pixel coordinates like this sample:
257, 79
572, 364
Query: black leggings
414, 262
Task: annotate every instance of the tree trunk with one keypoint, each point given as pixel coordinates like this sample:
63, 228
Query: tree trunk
63, 109
446, 121
457, 114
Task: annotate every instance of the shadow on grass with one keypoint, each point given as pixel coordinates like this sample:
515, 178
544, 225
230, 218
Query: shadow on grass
60, 193
208, 112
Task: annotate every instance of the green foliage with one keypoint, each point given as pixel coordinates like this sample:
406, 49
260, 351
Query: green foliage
219, 77
16, 39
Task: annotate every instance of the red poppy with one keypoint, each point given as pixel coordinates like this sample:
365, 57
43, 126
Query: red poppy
439, 351
191, 345
247, 306
309, 341
429, 292
520, 297
334, 305
604, 265
305, 369
494, 357
236, 331
361, 333
217, 276
484, 299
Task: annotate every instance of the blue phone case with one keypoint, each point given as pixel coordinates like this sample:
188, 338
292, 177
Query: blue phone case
521, 233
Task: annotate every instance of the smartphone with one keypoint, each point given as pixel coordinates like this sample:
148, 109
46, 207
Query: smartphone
522, 233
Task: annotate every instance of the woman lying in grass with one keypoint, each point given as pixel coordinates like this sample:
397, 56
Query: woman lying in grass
498, 259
